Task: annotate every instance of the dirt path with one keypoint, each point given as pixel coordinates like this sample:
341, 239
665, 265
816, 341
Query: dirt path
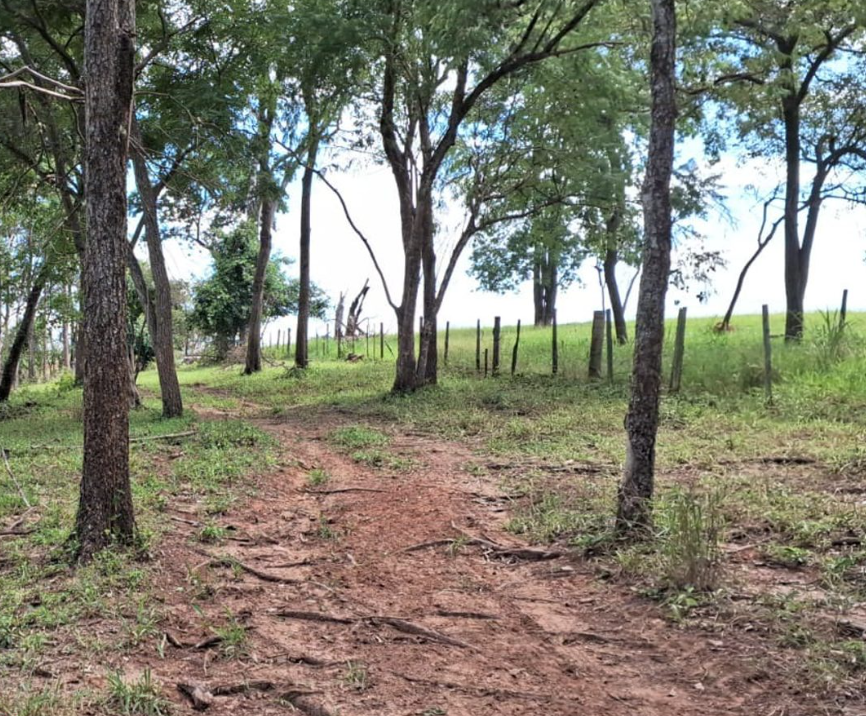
447, 629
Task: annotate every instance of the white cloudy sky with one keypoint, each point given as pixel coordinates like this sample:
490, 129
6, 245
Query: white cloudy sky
340, 263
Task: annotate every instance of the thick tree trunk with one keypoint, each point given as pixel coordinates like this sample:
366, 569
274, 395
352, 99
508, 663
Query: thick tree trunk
254, 330
793, 275
162, 334
105, 513
22, 332
428, 354
634, 513
545, 277
302, 357
611, 258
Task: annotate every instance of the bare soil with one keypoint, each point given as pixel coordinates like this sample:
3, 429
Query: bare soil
348, 612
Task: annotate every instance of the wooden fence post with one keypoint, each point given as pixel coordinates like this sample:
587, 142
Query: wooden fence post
843, 312
278, 339
485, 361
288, 341
679, 352
447, 331
596, 344
609, 331
382, 341
478, 347
514, 352
497, 335
768, 356
554, 348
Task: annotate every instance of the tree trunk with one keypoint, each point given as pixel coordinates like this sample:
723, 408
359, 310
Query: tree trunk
537, 294
65, 335
302, 358
611, 258
31, 352
162, 334
22, 332
254, 330
428, 354
80, 348
546, 286
105, 513
793, 276
634, 513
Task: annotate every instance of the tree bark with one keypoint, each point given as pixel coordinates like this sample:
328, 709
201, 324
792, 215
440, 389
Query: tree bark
254, 331
22, 332
634, 513
105, 512
162, 333
67, 364
302, 357
793, 276
611, 258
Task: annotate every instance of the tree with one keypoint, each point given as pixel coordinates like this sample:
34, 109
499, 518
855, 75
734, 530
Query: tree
326, 64
222, 302
105, 512
636, 490
544, 248
774, 58
437, 60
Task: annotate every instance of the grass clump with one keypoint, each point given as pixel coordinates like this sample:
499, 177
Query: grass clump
141, 697
358, 437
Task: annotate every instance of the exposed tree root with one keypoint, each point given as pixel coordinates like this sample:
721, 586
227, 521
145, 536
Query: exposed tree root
264, 576
401, 625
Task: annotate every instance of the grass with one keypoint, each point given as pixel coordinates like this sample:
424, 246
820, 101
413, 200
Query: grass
726, 480
45, 605
139, 697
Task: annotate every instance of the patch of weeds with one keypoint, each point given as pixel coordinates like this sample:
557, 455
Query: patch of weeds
377, 458
786, 555
144, 626
457, 545
318, 476
358, 437
848, 570
355, 676
233, 637
212, 533
434, 711
325, 531
218, 504
551, 516
202, 588
30, 702
141, 697
689, 529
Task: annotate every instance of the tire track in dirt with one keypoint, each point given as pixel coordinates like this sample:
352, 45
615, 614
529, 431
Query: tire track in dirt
543, 637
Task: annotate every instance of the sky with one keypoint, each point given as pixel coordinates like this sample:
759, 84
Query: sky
340, 262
